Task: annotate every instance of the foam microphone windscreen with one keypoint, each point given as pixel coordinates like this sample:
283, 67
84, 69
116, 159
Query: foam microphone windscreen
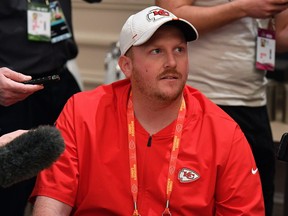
26, 155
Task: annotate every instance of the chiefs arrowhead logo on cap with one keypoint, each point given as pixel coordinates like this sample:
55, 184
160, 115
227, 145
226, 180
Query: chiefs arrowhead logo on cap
157, 14
187, 175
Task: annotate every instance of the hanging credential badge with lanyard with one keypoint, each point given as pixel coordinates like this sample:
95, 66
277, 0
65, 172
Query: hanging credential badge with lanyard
38, 21
46, 22
265, 59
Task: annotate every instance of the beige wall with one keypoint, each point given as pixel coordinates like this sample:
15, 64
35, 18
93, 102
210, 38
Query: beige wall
96, 27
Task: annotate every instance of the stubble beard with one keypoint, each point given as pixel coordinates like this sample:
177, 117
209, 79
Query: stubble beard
156, 94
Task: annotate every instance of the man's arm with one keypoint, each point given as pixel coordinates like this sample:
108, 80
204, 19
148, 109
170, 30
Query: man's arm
281, 24
206, 19
238, 189
45, 206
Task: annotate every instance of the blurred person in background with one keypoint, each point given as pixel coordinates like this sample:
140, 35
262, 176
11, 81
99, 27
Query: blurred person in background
36, 41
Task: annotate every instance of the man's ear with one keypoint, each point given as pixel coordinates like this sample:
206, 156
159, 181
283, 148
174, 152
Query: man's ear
125, 63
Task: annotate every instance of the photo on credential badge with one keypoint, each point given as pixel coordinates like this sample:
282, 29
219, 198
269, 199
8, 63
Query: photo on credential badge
59, 28
38, 22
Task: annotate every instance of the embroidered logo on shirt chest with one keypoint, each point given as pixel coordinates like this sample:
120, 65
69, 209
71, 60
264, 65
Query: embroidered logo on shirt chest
186, 175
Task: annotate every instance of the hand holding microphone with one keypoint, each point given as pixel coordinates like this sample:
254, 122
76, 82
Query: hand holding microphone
31, 151
6, 138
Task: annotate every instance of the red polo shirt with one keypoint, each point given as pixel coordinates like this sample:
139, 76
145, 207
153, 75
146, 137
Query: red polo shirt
214, 168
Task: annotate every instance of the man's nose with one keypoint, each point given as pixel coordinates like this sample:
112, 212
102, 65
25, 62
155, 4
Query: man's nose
170, 61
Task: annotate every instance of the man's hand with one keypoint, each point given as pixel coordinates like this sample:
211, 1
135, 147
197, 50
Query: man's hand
11, 88
261, 8
6, 138
281, 22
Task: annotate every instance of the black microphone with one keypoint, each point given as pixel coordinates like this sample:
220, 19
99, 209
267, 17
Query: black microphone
26, 155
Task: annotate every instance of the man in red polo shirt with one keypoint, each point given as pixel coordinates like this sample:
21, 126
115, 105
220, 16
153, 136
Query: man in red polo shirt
149, 144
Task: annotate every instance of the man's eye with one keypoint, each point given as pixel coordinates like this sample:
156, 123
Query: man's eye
179, 49
155, 51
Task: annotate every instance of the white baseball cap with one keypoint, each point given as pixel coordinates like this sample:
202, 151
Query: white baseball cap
140, 27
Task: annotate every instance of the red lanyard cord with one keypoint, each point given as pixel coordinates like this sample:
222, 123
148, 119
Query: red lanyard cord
133, 156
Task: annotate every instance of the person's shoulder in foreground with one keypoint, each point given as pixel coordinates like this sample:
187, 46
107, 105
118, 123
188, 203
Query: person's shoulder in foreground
149, 143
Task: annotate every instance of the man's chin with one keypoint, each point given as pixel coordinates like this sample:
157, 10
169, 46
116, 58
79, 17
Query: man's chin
169, 95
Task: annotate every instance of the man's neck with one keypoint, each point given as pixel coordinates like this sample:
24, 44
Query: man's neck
155, 115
